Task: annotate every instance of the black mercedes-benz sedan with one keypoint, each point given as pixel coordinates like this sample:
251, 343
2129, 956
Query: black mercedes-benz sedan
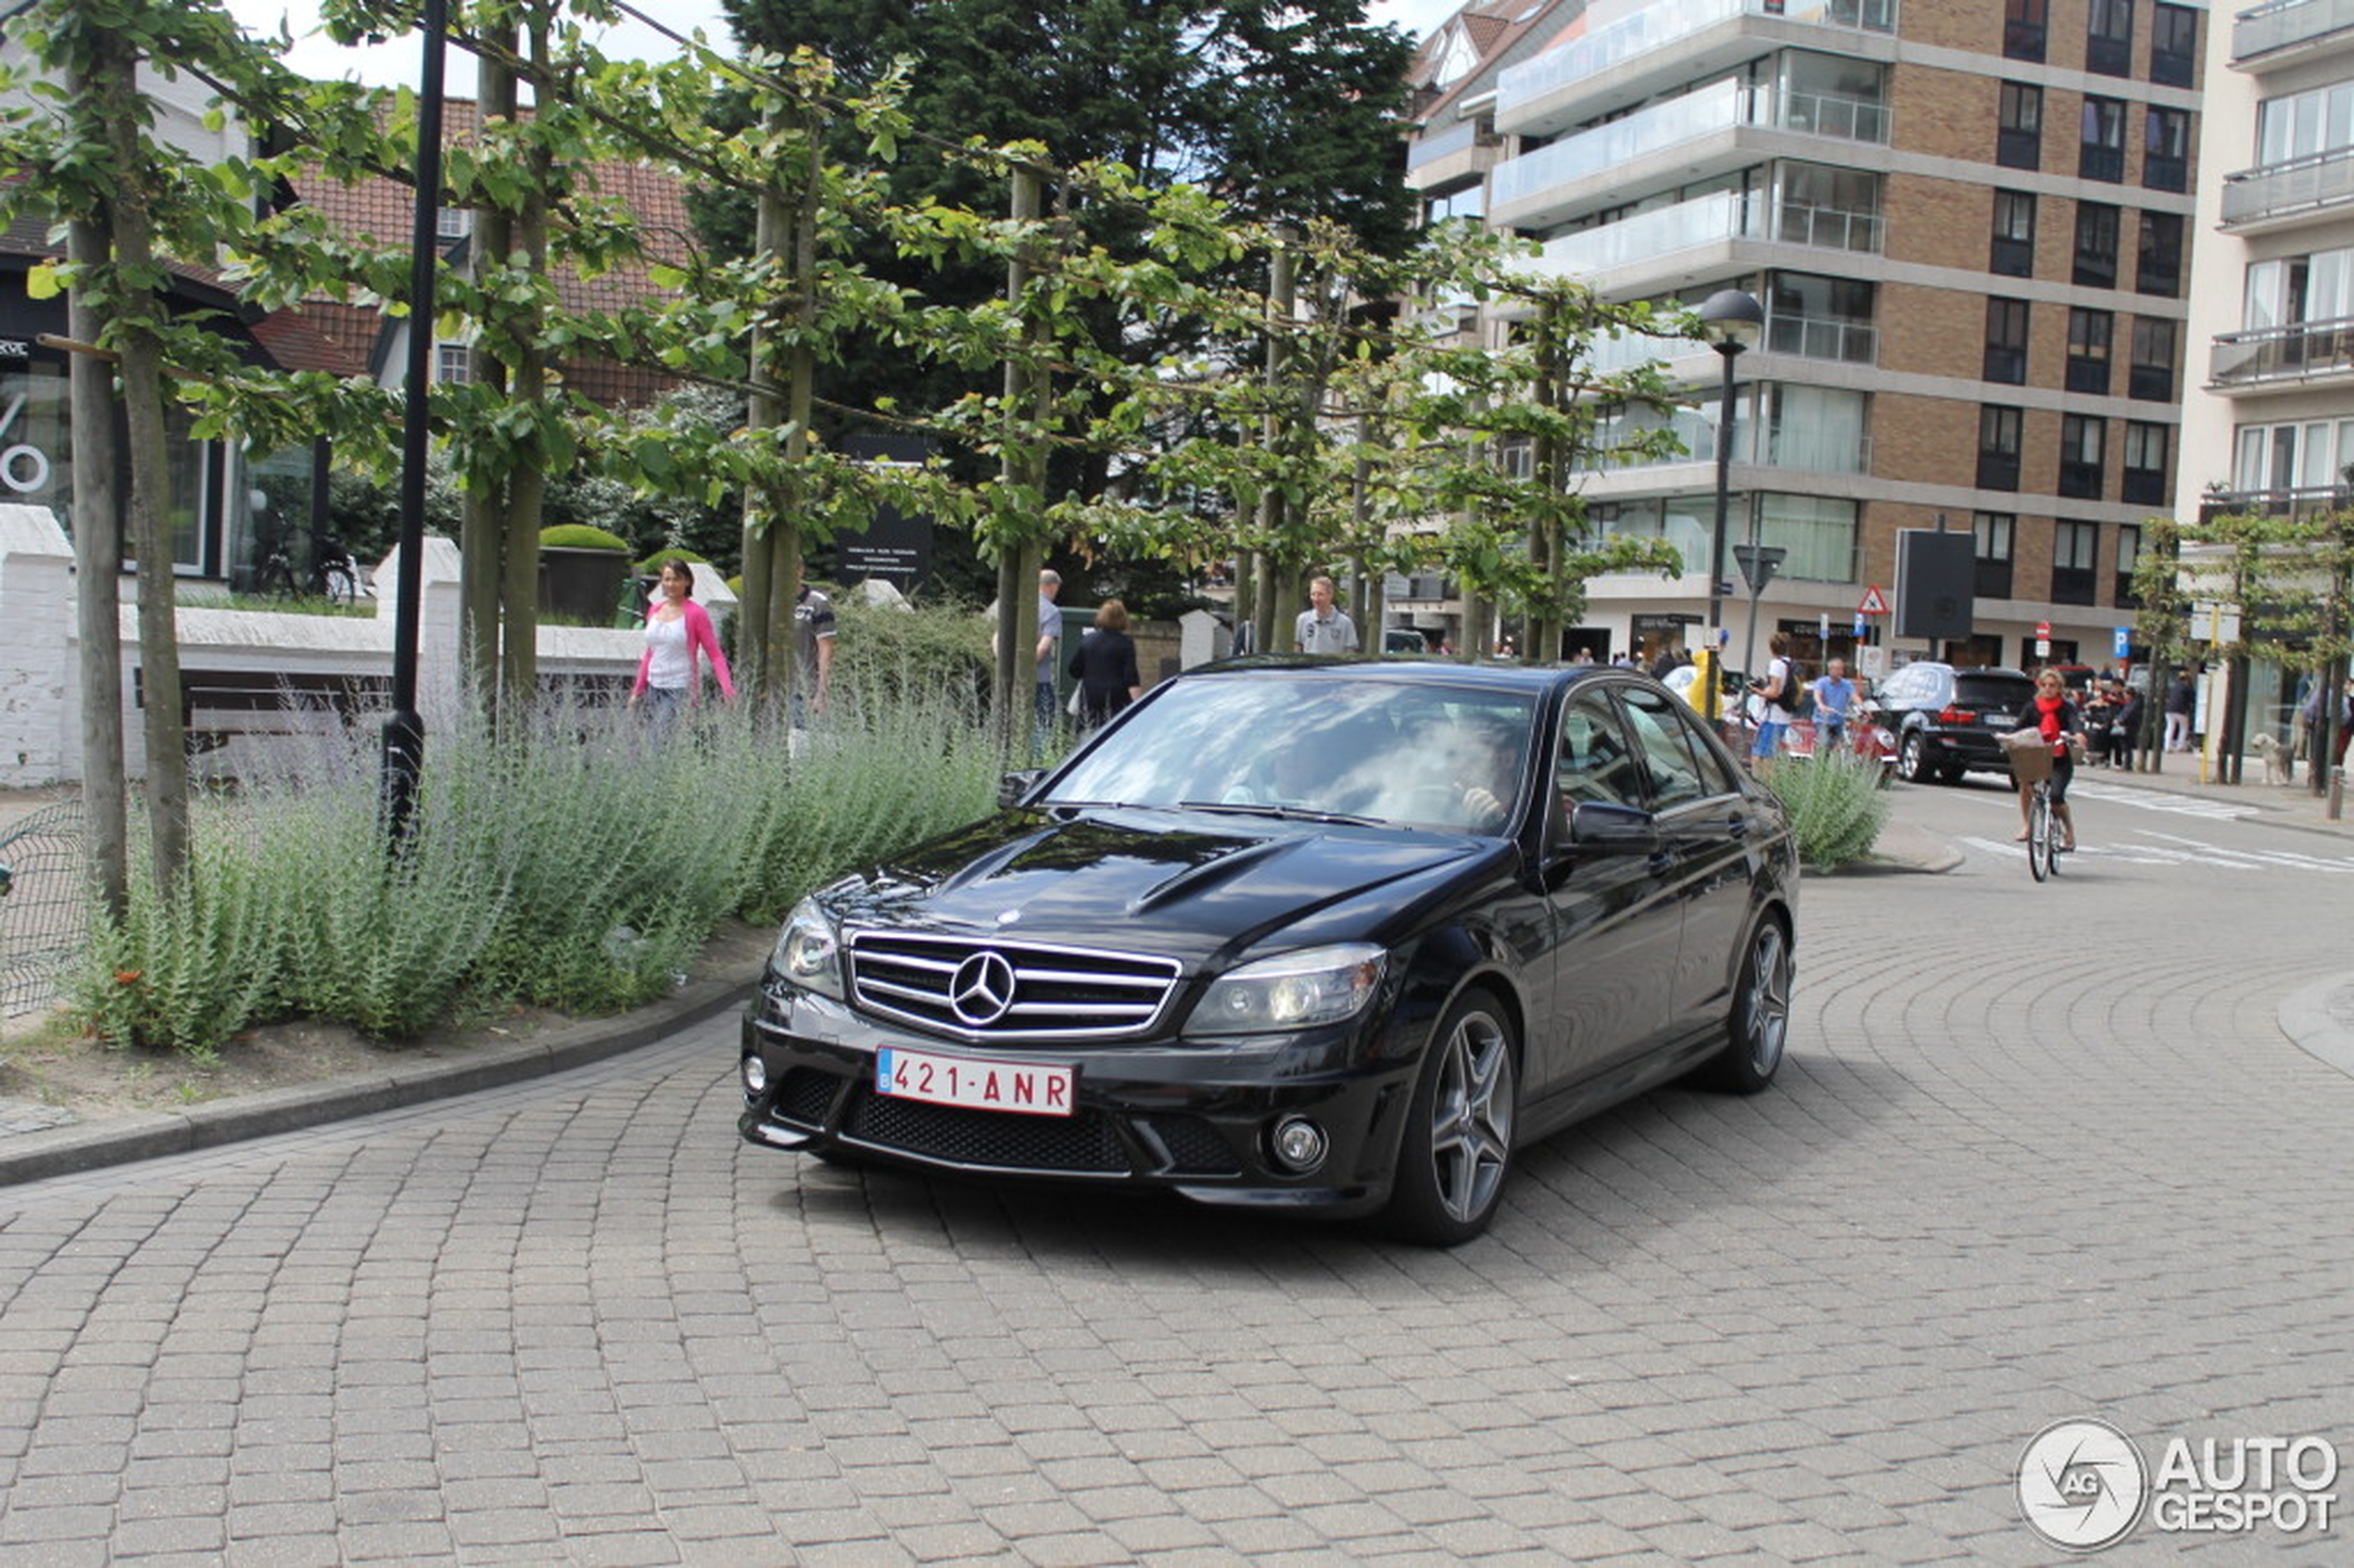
1324, 936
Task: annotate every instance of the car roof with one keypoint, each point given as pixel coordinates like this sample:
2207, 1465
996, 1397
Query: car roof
1494, 674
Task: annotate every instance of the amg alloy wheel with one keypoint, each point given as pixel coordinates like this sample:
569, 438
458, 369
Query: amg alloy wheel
1758, 1027
1457, 1146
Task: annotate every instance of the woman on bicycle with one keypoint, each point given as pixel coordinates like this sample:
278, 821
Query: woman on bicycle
2051, 713
676, 629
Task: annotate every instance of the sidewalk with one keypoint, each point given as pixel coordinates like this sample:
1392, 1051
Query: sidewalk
2285, 805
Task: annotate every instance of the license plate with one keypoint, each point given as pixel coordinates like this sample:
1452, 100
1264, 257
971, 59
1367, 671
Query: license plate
1029, 1088
1998, 721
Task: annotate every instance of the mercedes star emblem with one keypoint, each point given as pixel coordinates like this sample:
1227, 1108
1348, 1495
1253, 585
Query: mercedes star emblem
982, 989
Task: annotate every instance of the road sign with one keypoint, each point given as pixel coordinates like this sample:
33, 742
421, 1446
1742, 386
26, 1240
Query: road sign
1862, 627
2124, 641
2043, 639
1873, 603
1759, 563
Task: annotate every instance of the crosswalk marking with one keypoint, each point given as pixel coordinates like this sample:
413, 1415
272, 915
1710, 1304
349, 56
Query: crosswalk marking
2192, 852
2160, 799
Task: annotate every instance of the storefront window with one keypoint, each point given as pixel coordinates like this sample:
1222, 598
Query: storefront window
36, 466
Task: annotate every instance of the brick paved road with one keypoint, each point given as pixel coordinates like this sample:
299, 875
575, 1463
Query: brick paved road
2014, 1174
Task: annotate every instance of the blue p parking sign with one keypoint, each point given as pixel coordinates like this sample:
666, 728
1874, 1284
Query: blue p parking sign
2124, 641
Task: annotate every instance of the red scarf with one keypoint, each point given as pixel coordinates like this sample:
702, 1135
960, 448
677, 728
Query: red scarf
2048, 716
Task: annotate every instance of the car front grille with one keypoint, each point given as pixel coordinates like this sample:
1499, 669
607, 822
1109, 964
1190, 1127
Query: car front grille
1007, 990
1084, 1144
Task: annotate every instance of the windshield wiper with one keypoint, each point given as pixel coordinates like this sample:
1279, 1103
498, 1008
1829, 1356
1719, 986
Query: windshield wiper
1283, 813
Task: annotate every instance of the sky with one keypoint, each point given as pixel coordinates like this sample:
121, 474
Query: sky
398, 61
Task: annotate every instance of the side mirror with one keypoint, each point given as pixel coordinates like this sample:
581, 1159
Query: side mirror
1013, 786
1602, 828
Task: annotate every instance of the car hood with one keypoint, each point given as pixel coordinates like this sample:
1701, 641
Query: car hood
1186, 884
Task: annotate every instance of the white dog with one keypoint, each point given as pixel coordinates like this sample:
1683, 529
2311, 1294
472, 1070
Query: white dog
2276, 757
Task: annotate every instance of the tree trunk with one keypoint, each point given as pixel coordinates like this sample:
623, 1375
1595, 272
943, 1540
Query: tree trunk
114, 79
527, 484
97, 565
481, 543
757, 675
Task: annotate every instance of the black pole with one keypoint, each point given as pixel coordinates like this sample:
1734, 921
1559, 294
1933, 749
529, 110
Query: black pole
1729, 349
404, 733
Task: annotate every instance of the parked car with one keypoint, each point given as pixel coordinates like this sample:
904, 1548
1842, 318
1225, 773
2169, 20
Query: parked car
1404, 640
1945, 720
1331, 937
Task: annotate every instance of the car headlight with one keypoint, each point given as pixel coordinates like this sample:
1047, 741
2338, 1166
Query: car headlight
808, 951
1321, 985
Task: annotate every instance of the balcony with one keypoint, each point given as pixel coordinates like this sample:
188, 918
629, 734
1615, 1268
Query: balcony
2298, 501
1822, 338
1432, 146
1657, 45
2143, 486
1716, 220
2272, 30
2296, 353
2280, 192
1597, 168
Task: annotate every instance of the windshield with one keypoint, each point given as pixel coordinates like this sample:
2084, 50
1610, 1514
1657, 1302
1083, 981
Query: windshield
1285, 743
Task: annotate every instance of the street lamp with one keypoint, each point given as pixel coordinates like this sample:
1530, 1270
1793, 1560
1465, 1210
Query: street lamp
404, 732
1730, 319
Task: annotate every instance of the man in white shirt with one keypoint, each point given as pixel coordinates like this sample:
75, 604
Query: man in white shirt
1321, 628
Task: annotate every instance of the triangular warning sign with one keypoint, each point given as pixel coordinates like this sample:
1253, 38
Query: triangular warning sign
1873, 603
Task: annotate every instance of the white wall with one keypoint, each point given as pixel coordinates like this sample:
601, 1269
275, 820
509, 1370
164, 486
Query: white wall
40, 697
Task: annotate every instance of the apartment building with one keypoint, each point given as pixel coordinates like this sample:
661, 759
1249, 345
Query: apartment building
2269, 422
1968, 228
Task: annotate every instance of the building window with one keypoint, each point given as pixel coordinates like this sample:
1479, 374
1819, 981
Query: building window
2108, 38
2024, 24
2096, 245
1819, 318
2019, 140
2084, 443
453, 222
2076, 548
2166, 150
2129, 555
1995, 530
2149, 375
2101, 155
2159, 268
1999, 444
2173, 45
2006, 341
1818, 532
2013, 254
2089, 333
452, 362
2143, 480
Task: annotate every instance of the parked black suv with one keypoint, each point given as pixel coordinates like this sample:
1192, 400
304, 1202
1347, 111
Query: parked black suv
1945, 720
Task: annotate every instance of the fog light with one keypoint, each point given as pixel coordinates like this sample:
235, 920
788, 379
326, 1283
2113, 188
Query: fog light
755, 1075
1299, 1145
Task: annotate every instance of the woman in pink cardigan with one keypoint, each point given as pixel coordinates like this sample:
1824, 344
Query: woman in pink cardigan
677, 628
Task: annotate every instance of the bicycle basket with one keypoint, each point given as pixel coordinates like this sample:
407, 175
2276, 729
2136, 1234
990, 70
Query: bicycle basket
2029, 754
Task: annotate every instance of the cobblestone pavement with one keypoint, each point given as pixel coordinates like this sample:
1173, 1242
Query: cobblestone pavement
2040, 1153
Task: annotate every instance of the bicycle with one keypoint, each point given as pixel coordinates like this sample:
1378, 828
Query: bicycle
334, 574
2032, 765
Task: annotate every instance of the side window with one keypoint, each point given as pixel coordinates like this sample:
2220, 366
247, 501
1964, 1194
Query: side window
1670, 752
1593, 764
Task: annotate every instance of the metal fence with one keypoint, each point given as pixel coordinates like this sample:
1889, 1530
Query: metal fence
44, 905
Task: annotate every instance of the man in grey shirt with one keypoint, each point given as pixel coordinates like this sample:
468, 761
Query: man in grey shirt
1321, 628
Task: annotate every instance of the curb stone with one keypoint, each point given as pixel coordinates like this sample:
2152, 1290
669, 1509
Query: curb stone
120, 1140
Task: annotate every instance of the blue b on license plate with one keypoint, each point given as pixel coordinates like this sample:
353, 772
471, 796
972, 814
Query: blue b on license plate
1029, 1088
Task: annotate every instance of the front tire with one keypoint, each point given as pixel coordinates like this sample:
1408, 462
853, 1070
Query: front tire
1457, 1146
1757, 1031
1912, 759
341, 589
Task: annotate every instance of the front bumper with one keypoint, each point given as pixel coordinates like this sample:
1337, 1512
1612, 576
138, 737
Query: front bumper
1193, 1118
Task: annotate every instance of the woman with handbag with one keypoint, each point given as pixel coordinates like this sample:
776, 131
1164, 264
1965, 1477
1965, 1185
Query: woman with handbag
2053, 716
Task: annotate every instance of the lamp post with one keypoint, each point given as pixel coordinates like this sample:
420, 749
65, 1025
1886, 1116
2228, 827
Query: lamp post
404, 732
1730, 318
